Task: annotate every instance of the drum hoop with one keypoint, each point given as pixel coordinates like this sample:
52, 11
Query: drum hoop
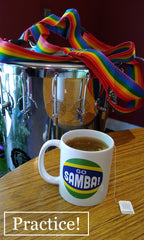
49, 65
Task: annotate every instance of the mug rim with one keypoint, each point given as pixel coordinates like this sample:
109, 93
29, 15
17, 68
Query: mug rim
86, 131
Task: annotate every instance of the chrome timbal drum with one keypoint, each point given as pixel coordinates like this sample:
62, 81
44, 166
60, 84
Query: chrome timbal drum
41, 101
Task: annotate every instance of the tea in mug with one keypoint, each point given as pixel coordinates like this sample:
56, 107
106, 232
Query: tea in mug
87, 144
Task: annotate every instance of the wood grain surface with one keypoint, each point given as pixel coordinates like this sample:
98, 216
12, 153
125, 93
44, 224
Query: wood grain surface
24, 190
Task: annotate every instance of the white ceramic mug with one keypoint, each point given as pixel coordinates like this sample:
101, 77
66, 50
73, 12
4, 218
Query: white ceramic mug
84, 175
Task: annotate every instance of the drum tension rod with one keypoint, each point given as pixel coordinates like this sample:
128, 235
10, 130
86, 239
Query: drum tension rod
81, 108
27, 100
9, 104
55, 106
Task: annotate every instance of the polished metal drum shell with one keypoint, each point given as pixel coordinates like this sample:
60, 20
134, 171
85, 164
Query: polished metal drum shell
37, 98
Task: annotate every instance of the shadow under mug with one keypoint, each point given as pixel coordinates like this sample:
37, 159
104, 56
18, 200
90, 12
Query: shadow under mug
84, 175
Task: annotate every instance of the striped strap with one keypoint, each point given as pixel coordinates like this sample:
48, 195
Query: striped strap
103, 60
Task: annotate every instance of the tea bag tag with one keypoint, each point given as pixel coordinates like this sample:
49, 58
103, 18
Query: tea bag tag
126, 207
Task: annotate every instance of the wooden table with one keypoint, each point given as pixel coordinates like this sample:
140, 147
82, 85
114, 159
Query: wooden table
24, 190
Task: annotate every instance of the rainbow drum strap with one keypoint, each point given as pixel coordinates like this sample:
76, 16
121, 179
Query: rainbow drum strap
103, 60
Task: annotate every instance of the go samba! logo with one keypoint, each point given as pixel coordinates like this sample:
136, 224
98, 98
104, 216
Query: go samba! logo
82, 178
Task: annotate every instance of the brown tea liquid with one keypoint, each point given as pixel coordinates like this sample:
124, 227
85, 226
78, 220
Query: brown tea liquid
87, 144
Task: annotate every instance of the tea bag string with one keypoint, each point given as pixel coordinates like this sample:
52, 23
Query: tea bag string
125, 206
115, 175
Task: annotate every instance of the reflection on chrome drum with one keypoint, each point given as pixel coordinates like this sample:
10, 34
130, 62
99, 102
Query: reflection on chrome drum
40, 101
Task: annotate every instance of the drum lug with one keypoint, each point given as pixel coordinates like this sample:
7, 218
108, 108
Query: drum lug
112, 96
27, 100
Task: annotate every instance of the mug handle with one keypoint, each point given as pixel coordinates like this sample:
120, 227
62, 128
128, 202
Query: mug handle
44, 174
